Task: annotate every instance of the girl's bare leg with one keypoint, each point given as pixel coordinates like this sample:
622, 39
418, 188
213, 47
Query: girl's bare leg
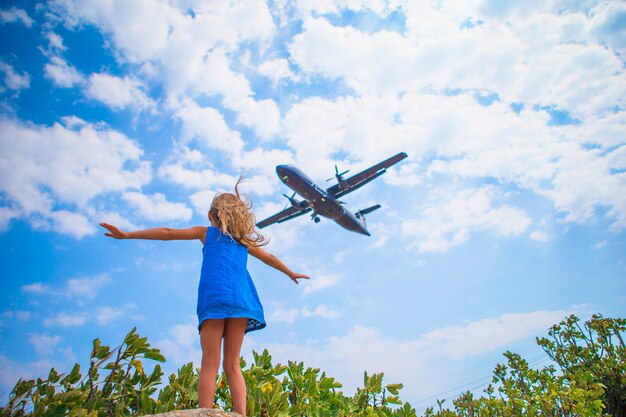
211, 334
234, 330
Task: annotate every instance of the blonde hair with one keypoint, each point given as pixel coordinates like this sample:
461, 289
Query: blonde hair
232, 214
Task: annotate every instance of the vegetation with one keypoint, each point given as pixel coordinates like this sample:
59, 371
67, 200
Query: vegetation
588, 378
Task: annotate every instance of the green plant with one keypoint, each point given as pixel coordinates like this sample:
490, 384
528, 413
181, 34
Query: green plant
588, 378
125, 390
594, 351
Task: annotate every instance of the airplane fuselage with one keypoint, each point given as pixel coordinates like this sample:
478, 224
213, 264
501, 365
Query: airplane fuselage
322, 203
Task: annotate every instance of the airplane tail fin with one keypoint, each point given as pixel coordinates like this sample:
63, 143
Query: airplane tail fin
361, 213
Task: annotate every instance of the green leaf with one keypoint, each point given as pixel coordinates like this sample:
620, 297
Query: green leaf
136, 363
394, 388
154, 354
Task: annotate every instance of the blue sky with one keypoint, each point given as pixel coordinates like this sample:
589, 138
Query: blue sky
508, 215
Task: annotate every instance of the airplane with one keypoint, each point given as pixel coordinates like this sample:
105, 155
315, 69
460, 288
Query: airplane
325, 202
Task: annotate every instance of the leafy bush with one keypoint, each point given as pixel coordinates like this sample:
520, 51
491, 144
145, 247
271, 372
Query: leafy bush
595, 353
589, 379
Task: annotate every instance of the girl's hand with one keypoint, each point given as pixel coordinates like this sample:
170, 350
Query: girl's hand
296, 275
116, 233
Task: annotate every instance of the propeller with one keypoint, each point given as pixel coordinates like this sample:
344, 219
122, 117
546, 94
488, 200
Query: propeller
338, 175
291, 200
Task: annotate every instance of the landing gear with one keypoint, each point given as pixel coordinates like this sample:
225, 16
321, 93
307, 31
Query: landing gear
316, 219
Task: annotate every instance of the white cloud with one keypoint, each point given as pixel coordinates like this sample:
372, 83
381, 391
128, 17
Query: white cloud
11, 371
106, 315
450, 219
36, 288
65, 319
6, 215
15, 15
86, 287
321, 310
406, 175
41, 167
319, 282
539, 236
522, 149
269, 208
55, 41
21, 315
380, 7
286, 238
68, 355
529, 59
192, 169
156, 207
207, 126
416, 89
606, 22
489, 334
74, 288
423, 364
112, 217
440, 57
73, 224
12, 80
382, 61
198, 60
197, 178
364, 130
201, 201
277, 70
600, 245
465, 139
118, 93
138, 38
315, 128
191, 52
151, 30
283, 315
209, 181
61, 73
44, 344
217, 78
262, 115
585, 182
182, 345
258, 185
381, 232
263, 161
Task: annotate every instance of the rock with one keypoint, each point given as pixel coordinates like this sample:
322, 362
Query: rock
199, 412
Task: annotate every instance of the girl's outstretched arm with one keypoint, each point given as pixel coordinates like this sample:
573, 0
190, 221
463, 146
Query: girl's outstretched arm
159, 233
274, 262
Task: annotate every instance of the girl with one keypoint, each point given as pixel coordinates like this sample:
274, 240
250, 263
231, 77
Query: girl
228, 304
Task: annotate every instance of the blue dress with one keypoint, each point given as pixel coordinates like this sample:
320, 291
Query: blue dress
226, 289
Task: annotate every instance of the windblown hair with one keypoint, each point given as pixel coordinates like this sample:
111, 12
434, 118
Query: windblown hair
232, 214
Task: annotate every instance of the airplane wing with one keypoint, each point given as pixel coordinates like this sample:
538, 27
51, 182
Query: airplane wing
282, 216
363, 177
